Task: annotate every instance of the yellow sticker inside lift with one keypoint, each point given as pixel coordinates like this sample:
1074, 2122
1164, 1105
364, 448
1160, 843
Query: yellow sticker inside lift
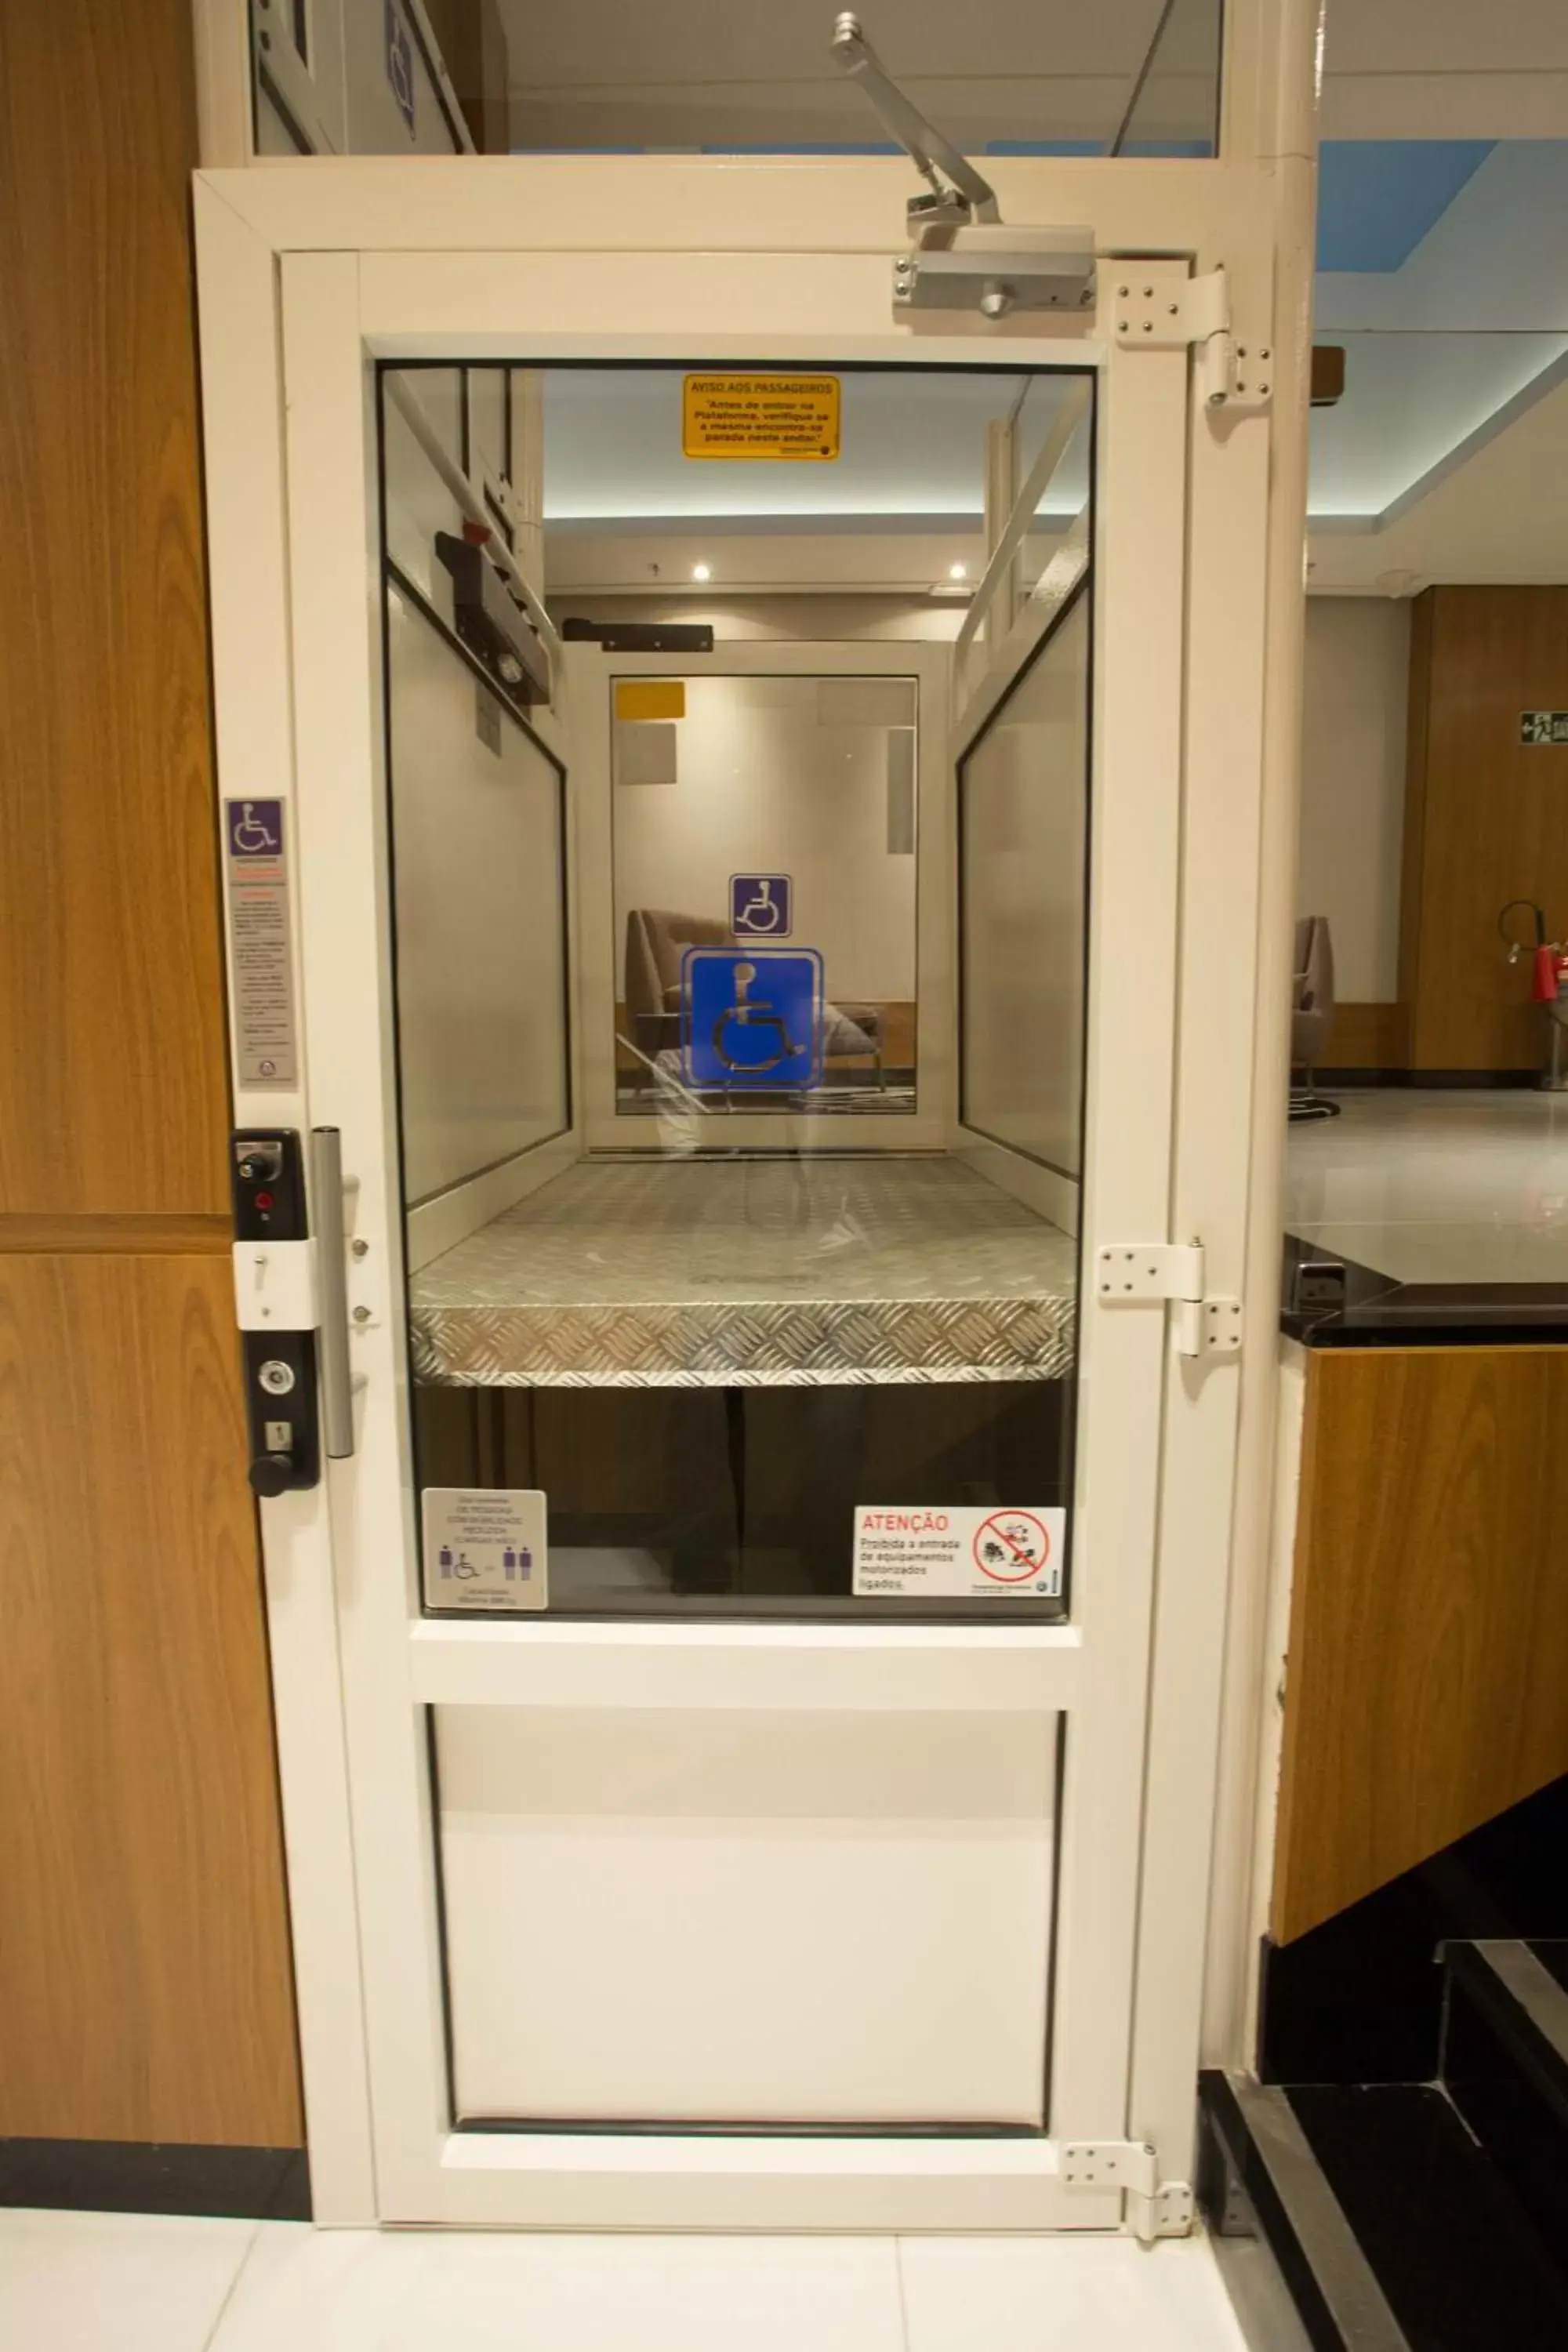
761, 416
650, 698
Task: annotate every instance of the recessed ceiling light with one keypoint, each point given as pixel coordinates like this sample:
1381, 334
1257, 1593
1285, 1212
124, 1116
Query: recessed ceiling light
701, 572
958, 570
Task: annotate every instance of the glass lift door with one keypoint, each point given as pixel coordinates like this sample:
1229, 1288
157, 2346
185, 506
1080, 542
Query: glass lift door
744, 1596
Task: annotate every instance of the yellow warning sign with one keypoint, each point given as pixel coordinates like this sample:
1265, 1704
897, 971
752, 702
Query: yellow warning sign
650, 698
761, 416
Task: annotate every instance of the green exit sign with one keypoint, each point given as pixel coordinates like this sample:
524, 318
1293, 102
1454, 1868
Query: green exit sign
1543, 727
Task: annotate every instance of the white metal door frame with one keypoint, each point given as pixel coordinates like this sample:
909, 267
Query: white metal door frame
351, 287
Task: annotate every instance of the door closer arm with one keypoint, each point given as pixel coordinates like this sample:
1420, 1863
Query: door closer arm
963, 257
962, 195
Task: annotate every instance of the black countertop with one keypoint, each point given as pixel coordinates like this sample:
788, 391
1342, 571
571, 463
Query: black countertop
1380, 1312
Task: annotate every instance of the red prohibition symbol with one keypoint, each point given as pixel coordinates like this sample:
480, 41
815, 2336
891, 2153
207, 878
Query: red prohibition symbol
1010, 1546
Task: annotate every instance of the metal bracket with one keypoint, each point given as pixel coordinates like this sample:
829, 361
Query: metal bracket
1127, 1273
1152, 315
995, 269
1154, 2208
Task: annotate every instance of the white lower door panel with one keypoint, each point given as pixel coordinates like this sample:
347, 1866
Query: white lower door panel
728, 1917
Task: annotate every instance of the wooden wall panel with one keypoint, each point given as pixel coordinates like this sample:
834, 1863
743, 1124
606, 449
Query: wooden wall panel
145, 1975
1368, 1037
1486, 820
112, 1061
1427, 1681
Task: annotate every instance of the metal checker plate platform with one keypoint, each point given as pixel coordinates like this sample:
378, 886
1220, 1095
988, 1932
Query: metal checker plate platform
750, 1273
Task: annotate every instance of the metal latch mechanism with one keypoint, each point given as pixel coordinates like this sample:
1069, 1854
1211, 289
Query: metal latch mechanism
1158, 314
1130, 1274
964, 256
1154, 2208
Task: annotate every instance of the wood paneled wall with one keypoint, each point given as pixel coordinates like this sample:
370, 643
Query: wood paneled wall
1368, 1037
1427, 1679
1485, 819
145, 1979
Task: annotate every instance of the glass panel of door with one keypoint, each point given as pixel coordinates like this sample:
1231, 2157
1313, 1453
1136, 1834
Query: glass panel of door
822, 1377
740, 1036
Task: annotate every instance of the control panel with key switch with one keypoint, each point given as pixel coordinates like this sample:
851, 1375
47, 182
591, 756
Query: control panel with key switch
275, 1295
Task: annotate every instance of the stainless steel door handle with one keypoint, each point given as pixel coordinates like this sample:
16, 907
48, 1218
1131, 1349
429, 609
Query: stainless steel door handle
332, 1291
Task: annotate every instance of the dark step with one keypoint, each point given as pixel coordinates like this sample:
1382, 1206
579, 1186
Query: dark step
1463, 2268
1297, 2277
1553, 1958
1369, 2220
1505, 2068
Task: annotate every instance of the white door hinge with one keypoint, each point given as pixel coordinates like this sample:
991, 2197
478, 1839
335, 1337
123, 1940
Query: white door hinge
1127, 1273
1154, 314
1155, 2209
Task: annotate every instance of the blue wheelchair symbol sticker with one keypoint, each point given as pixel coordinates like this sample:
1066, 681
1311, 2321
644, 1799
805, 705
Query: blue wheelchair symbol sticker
761, 906
255, 829
753, 1017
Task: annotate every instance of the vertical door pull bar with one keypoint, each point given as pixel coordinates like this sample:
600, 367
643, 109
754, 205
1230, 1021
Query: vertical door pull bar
331, 1264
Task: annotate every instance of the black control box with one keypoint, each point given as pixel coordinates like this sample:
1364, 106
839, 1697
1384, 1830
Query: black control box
267, 1174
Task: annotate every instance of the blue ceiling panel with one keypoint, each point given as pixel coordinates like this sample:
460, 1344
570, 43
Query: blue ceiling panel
1377, 198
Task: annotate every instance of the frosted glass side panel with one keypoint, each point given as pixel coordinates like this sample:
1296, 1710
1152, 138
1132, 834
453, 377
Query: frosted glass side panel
1024, 818
478, 892
730, 1918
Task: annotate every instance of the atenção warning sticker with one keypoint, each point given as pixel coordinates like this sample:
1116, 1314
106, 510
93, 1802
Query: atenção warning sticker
966, 1551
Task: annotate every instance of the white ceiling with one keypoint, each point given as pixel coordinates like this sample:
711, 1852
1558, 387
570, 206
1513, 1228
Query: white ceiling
1445, 69
695, 72
912, 457
703, 72
1502, 516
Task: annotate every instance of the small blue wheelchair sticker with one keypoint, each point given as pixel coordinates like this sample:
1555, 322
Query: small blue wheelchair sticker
753, 1017
761, 906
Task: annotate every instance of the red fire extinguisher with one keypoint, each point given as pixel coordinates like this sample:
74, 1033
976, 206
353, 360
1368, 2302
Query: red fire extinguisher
1548, 980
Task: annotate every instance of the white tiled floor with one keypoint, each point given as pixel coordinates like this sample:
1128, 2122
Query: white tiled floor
117, 2282
1437, 1187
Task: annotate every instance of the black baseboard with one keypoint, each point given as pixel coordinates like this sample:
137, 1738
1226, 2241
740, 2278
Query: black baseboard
100, 2176
1484, 1081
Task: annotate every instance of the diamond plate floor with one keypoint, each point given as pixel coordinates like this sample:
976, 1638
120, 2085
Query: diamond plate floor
714, 1274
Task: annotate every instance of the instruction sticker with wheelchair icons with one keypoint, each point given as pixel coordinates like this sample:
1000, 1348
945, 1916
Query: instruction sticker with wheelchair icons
753, 1017
486, 1548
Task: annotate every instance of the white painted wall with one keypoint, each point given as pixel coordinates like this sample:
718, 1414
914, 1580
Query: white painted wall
1352, 786
773, 777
